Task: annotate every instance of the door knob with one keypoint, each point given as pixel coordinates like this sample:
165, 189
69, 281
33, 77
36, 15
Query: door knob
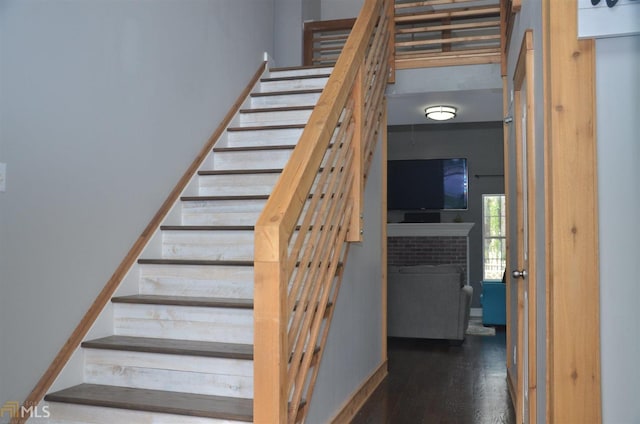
519, 274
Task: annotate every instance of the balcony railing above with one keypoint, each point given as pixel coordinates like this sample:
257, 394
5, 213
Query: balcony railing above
446, 33
427, 34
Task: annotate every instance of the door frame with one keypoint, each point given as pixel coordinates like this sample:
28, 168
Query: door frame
523, 78
573, 378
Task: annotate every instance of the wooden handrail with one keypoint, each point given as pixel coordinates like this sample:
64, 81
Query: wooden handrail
129, 260
293, 265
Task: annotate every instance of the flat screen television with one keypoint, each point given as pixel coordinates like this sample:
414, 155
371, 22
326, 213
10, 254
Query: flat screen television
427, 184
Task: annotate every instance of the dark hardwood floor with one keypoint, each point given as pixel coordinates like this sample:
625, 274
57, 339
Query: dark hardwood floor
432, 382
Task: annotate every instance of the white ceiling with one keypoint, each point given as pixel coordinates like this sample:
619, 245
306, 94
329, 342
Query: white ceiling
475, 90
472, 105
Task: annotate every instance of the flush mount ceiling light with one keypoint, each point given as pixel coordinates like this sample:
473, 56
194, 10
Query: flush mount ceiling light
440, 113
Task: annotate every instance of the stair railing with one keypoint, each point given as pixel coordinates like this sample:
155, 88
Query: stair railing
313, 211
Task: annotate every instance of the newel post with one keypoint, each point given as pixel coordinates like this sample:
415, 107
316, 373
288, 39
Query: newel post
270, 351
357, 145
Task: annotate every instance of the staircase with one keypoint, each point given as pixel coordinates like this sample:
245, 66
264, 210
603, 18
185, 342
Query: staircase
182, 346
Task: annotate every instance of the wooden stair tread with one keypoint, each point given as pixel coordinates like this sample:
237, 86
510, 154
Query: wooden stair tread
172, 347
205, 262
241, 171
236, 197
207, 227
299, 68
247, 171
211, 302
277, 109
197, 262
295, 77
218, 227
190, 404
240, 197
268, 127
254, 148
258, 148
286, 93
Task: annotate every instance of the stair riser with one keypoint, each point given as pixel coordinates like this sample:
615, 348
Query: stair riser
238, 184
235, 282
216, 213
300, 72
252, 159
302, 99
189, 374
224, 325
255, 138
211, 245
218, 245
64, 413
230, 218
222, 212
296, 84
289, 117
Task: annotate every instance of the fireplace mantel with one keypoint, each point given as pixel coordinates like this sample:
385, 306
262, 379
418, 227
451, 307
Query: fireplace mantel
449, 229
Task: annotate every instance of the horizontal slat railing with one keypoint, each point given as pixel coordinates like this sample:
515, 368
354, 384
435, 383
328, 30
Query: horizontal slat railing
446, 33
63, 356
301, 236
323, 41
427, 34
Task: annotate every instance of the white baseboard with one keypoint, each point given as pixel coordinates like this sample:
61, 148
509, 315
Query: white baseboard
475, 313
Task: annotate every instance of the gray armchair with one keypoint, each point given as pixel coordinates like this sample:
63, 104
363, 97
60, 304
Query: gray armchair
427, 301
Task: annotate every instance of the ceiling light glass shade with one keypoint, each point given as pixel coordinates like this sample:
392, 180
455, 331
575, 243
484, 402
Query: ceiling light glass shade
440, 113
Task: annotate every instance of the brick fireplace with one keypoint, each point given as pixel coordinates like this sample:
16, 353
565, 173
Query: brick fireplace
430, 244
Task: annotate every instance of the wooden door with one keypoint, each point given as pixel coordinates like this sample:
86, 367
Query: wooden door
524, 278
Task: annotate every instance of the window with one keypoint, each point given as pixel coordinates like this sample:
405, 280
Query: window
494, 243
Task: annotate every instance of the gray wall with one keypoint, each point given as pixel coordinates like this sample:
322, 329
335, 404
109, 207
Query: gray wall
3, 351
340, 9
354, 346
311, 9
288, 23
530, 17
481, 144
618, 106
103, 105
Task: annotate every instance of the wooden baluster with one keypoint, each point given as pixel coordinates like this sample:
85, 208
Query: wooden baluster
357, 144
